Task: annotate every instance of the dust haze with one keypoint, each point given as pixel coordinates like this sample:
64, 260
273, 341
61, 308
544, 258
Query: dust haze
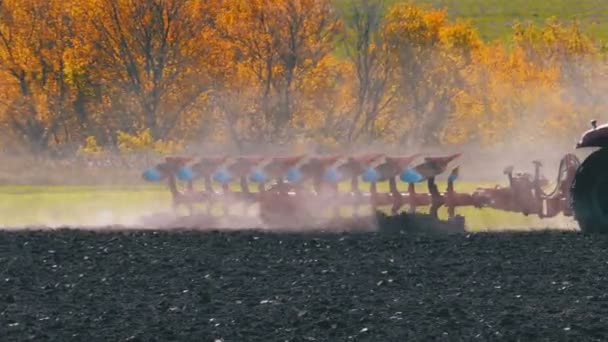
114, 172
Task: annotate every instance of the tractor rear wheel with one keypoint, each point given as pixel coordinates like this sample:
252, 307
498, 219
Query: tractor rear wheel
589, 193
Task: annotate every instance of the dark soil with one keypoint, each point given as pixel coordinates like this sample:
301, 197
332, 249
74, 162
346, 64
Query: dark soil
69, 285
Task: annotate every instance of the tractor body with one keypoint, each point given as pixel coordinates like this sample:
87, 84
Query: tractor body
597, 136
589, 189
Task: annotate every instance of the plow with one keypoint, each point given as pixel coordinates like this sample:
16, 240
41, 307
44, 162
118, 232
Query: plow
314, 189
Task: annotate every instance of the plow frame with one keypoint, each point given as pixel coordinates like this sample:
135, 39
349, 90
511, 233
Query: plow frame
281, 185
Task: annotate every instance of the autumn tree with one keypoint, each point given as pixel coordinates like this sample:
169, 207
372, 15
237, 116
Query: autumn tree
368, 53
277, 43
565, 47
328, 96
580, 80
501, 90
539, 90
430, 53
151, 57
45, 63
109, 74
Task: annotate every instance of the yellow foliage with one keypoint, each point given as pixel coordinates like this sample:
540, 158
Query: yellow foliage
408, 24
168, 147
258, 71
552, 40
462, 37
520, 95
90, 147
327, 92
140, 141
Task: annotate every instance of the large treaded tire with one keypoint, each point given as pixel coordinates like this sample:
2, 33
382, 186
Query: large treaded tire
589, 193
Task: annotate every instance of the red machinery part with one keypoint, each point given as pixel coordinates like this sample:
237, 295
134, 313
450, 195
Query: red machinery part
281, 201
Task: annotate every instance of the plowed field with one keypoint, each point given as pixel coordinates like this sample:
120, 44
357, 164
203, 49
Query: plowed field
69, 285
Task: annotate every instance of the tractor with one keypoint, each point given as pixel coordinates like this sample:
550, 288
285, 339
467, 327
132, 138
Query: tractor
589, 188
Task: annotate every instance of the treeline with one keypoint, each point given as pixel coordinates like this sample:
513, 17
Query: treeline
103, 74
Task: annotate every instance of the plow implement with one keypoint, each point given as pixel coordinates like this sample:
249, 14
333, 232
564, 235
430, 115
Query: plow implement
314, 190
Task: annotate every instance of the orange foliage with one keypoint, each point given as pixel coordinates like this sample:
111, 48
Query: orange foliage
40, 56
432, 57
277, 45
528, 94
247, 72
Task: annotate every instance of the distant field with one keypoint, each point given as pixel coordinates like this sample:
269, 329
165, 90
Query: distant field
101, 206
495, 18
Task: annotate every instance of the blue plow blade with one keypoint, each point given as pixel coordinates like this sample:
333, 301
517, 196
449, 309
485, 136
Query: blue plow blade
152, 175
332, 176
370, 175
185, 174
452, 177
258, 176
411, 176
222, 176
293, 175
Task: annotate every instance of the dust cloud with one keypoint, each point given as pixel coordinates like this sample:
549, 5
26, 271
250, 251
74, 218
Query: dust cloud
28, 180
